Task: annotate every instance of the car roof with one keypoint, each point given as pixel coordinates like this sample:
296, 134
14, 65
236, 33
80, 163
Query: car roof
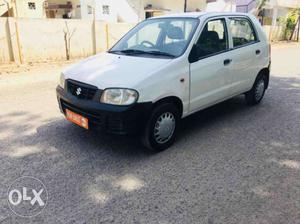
201, 14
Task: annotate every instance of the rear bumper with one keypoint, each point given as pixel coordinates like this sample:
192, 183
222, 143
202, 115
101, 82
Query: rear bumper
109, 118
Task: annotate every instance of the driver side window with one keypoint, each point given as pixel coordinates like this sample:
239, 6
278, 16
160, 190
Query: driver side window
213, 39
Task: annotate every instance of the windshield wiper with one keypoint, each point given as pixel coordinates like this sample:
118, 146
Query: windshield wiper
161, 53
134, 51
129, 51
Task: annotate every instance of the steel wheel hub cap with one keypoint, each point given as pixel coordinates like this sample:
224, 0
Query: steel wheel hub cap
164, 127
259, 90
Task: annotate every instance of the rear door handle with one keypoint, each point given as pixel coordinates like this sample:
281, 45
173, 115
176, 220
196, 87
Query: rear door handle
227, 61
257, 52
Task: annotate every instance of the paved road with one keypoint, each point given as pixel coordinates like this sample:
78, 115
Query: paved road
231, 163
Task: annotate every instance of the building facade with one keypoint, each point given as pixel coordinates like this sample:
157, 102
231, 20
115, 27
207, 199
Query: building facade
22, 8
275, 9
221, 5
41, 8
136, 10
67, 9
108, 10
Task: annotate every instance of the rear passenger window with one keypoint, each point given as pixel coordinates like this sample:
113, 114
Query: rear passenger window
242, 32
213, 38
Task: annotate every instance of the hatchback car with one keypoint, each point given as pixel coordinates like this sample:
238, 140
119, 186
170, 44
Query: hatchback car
164, 69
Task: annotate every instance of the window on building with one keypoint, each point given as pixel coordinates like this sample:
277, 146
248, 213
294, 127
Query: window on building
89, 9
31, 5
148, 15
105, 9
242, 32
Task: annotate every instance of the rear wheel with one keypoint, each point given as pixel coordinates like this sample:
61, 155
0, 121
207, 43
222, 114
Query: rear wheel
161, 128
256, 94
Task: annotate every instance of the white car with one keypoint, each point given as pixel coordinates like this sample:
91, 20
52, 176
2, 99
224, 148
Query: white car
164, 69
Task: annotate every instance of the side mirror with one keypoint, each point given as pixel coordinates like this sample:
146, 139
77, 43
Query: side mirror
194, 54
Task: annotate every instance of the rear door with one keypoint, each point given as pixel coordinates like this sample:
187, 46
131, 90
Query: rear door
209, 73
245, 54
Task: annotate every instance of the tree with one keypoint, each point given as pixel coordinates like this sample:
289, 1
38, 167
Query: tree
261, 4
292, 20
67, 37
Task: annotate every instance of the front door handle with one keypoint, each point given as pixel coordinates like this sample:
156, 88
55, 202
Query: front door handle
227, 61
257, 52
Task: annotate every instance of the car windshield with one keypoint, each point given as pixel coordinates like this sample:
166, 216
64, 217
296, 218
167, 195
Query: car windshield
163, 37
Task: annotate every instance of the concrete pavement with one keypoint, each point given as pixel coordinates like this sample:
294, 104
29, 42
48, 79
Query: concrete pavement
231, 163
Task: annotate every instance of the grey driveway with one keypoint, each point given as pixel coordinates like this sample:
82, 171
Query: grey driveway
231, 164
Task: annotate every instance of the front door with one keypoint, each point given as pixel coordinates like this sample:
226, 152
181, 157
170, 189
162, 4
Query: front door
210, 73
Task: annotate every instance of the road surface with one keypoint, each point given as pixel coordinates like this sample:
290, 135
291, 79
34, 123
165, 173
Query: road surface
231, 163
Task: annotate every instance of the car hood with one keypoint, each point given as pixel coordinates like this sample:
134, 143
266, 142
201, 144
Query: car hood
111, 70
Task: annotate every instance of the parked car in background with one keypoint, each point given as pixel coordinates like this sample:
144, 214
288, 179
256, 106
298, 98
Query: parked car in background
164, 69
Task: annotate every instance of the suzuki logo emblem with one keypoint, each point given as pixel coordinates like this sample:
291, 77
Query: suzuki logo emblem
78, 91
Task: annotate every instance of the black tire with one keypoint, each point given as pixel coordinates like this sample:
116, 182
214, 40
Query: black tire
150, 134
256, 94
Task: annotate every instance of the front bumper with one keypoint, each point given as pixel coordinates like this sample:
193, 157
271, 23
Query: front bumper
109, 118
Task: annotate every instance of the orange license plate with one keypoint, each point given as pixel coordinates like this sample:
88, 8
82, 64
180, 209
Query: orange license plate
77, 119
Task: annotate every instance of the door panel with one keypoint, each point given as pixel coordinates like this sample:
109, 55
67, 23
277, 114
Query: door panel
209, 81
244, 54
209, 75
243, 69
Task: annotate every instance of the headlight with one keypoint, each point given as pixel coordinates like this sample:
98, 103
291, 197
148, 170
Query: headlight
119, 96
62, 81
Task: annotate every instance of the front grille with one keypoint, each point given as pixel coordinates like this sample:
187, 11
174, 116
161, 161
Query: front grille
81, 90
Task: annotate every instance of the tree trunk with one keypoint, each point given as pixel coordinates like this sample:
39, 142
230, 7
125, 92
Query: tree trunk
66, 47
298, 32
294, 29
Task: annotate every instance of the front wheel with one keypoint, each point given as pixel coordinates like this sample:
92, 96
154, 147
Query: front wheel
256, 94
161, 128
